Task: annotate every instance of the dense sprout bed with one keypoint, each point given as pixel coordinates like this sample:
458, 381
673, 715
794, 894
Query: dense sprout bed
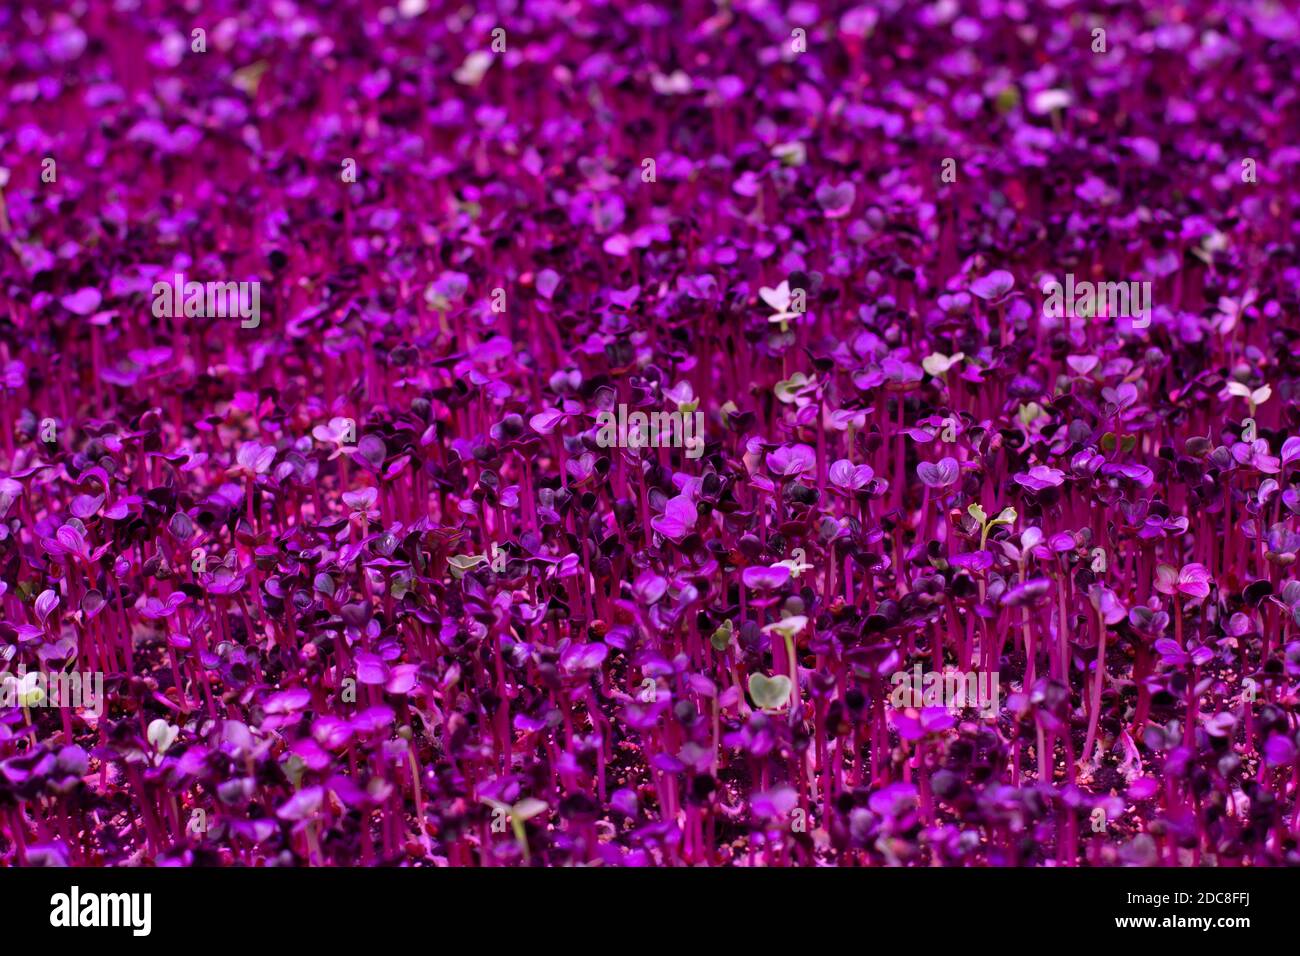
382, 573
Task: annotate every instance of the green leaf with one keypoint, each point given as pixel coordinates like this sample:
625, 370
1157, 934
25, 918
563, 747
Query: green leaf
788, 627
527, 808
791, 154
937, 363
1029, 412
976, 512
161, 735
787, 390
721, 638
1008, 516
460, 563
1007, 99
769, 693
294, 767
